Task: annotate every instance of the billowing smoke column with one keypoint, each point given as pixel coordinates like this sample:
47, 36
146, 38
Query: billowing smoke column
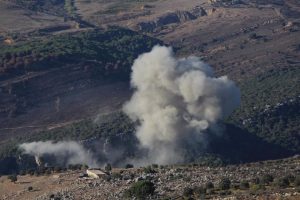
175, 102
65, 152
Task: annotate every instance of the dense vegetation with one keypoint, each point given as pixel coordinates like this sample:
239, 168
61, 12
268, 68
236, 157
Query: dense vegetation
254, 186
49, 6
107, 127
108, 52
140, 190
112, 50
268, 89
270, 108
272, 129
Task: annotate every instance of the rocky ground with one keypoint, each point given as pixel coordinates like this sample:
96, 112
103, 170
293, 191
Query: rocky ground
170, 182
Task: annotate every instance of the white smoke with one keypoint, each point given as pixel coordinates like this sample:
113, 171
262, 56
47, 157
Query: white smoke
67, 152
175, 101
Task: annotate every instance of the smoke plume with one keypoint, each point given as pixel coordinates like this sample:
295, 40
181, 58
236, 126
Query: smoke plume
175, 102
66, 152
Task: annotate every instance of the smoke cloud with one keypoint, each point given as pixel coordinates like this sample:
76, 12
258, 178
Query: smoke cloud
175, 102
66, 152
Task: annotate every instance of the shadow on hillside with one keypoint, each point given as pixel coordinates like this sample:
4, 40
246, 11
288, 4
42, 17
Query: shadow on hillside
237, 145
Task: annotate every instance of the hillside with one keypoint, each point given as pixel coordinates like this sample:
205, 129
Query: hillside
65, 69
43, 81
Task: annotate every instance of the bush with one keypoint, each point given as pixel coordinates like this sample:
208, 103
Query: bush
267, 178
155, 166
30, 188
22, 172
149, 170
209, 185
297, 181
128, 166
256, 181
116, 176
140, 190
200, 191
256, 187
291, 178
84, 167
283, 182
253, 36
108, 167
48, 171
187, 192
244, 185
225, 184
224, 193
13, 178
57, 169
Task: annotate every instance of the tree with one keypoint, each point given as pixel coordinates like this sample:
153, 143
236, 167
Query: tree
225, 184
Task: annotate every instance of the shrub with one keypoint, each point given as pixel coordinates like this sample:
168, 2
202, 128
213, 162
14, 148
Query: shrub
140, 190
149, 170
224, 193
84, 167
209, 185
154, 165
57, 169
108, 167
13, 178
283, 182
116, 175
253, 36
48, 171
127, 166
200, 191
267, 178
22, 172
225, 184
30, 188
187, 192
256, 181
291, 178
244, 185
297, 181
256, 187
186, 178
